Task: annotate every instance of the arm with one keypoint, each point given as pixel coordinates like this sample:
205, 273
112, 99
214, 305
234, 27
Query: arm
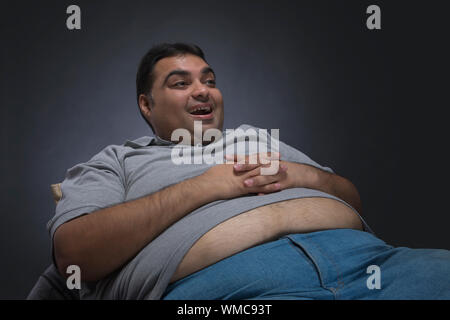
311, 177
102, 241
300, 175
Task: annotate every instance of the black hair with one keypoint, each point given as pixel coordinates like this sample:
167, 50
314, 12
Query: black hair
145, 77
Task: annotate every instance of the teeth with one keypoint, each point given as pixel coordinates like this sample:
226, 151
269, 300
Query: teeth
201, 109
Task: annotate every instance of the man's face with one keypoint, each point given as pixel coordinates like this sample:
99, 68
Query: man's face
182, 83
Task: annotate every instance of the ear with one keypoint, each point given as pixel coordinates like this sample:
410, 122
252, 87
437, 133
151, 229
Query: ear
145, 105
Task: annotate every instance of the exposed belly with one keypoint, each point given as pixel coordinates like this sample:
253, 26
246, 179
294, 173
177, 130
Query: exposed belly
265, 224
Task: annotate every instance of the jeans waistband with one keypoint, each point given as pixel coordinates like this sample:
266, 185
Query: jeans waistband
332, 251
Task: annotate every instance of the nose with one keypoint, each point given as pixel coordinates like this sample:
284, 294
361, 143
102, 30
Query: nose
200, 91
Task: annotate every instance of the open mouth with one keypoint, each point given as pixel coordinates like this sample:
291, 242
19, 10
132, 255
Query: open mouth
203, 111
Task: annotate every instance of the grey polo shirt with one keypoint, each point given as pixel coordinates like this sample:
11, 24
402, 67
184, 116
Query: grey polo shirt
121, 173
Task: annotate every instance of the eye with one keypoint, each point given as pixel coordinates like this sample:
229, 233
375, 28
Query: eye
211, 82
180, 84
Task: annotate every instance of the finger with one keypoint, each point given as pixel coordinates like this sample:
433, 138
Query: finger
258, 181
243, 162
254, 158
270, 169
270, 188
264, 156
239, 158
258, 171
245, 167
230, 158
251, 163
274, 168
261, 180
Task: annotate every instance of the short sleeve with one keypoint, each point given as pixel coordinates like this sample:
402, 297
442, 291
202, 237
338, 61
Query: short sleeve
89, 186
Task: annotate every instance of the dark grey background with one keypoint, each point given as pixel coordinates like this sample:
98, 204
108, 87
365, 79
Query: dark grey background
369, 104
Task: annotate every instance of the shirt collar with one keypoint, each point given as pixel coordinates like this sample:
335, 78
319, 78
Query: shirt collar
158, 141
140, 142
148, 141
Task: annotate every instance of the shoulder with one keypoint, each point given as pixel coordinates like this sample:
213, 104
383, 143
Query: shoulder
112, 155
116, 151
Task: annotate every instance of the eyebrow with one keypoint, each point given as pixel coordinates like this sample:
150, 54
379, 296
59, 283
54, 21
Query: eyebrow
205, 70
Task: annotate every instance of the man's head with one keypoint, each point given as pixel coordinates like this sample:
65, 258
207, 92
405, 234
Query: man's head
172, 81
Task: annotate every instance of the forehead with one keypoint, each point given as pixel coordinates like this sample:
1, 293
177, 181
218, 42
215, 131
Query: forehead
188, 62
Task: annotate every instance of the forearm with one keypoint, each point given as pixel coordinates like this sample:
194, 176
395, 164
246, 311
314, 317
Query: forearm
330, 183
340, 187
104, 240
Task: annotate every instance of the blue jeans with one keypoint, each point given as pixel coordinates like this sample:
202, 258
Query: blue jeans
331, 264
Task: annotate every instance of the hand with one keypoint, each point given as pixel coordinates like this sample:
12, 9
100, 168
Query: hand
269, 165
228, 183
